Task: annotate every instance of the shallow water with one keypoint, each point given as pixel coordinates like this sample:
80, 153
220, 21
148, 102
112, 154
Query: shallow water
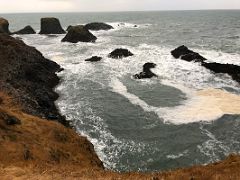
172, 121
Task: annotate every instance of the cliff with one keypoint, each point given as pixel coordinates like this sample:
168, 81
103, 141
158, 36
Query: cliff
32, 147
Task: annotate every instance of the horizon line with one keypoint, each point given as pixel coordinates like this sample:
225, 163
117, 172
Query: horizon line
39, 12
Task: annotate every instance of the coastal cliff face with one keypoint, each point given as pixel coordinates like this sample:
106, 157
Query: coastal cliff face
29, 78
31, 147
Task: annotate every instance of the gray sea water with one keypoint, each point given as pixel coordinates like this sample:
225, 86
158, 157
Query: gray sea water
156, 124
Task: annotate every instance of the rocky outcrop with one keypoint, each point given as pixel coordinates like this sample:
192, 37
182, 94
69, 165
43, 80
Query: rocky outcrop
146, 73
26, 30
97, 26
51, 25
120, 53
230, 69
70, 26
79, 34
29, 78
184, 53
4, 25
94, 59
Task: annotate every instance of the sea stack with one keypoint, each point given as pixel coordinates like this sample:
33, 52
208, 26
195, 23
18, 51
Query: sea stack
4, 25
79, 34
51, 25
26, 30
97, 26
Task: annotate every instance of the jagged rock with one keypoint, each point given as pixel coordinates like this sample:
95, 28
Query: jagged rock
96, 26
70, 26
147, 73
184, 53
120, 53
94, 59
25, 30
51, 25
79, 33
4, 25
230, 69
25, 73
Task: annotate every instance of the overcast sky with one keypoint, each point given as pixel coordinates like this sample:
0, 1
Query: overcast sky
9, 6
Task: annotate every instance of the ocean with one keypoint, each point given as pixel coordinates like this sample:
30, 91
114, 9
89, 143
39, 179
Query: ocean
186, 116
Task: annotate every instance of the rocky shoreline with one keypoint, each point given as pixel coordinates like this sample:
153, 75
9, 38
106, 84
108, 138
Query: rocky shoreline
36, 142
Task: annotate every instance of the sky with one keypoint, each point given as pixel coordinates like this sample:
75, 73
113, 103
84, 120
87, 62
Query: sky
15, 6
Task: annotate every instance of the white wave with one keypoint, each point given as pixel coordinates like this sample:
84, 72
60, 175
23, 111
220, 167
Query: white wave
206, 105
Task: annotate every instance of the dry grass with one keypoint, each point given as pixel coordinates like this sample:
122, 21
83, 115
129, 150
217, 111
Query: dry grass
40, 149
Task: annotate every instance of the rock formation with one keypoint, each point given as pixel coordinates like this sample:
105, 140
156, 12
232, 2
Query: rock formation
26, 30
184, 53
120, 53
94, 59
230, 69
79, 33
96, 26
29, 77
4, 25
51, 25
146, 73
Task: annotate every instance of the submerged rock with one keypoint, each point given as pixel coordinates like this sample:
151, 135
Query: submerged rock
25, 30
120, 53
4, 25
51, 25
94, 59
184, 53
79, 33
97, 26
146, 73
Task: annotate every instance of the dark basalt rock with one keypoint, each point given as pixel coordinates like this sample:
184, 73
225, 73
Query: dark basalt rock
79, 33
29, 78
4, 25
51, 25
147, 73
230, 69
184, 53
94, 59
120, 53
70, 26
25, 30
97, 26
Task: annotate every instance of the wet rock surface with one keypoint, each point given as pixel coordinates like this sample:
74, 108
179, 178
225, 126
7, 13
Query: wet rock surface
79, 34
51, 25
184, 53
97, 26
120, 53
26, 30
146, 73
94, 59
